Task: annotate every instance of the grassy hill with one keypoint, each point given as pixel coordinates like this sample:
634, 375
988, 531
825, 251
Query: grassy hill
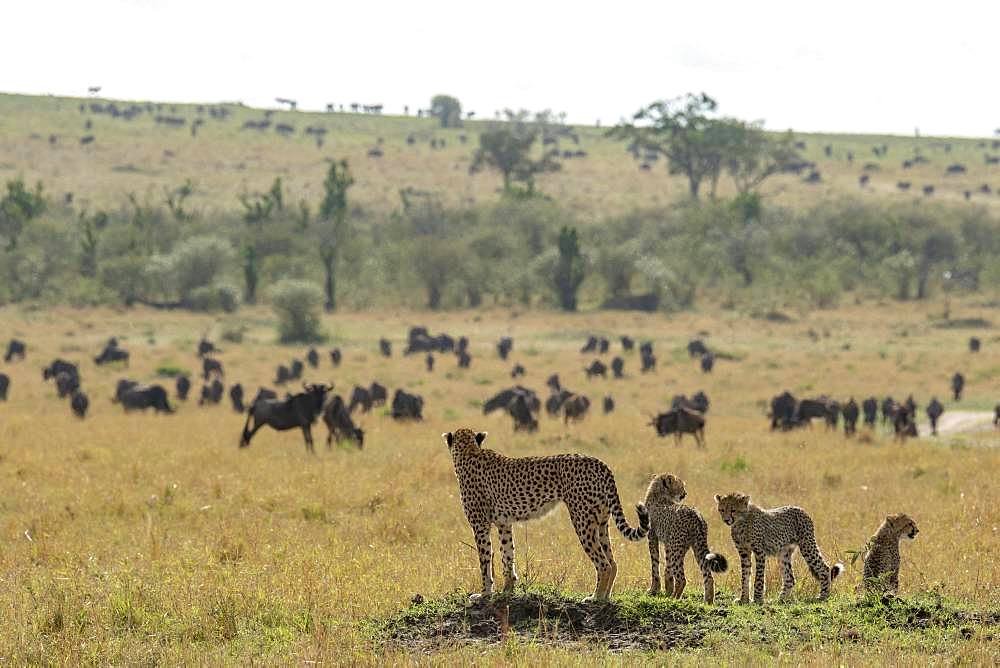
40, 139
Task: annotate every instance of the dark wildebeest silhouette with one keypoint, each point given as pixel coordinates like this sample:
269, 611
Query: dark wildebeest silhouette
66, 384
928, 190
974, 344
517, 371
870, 408
312, 358
15, 348
618, 367
957, 385
888, 409
553, 382
707, 362
648, 362
60, 366
282, 375
934, 411
554, 404
211, 393
911, 406
4, 386
236, 397
680, 421
141, 397
603, 345
79, 403
295, 369
297, 411
850, 413
335, 357
429, 361
339, 424
627, 344
575, 407
385, 346
211, 366
519, 409
590, 346
596, 368
504, 346
503, 398
822, 407
996, 416
378, 394
783, 409
406, 406
183, 386
609, 404
462, 345
205, 347
464, 360
264, 393
697, 348
112, 353
904, 421
360, 396
699, 402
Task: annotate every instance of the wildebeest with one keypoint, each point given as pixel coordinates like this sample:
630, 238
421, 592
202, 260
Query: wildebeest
385, 346
957, 385
783, 411
850, 412
429, 361
553, 382
596, 368
406, 406
707, 362
503, 398
66, 384
60, 366
464, 360
575, 407
996, 415
15, 348
211, 393
603, 345
519, 409
697, 348
236, 397
295, 369
112, 353
870, 408
183, 386
609, 404
312, 358
822, 407
205, 347
297, 411
904, 421
911, 406
698, 402
648, 362
627, 343
264, 393
211, 366
554, 404
974, 344
888, 409
934, 411
141, 397
335, 357
517, 371
282, 375
340, 425
378, 394
4, 386
504, 346
618, 367
590, 346
680, 421
79, 403
462, 345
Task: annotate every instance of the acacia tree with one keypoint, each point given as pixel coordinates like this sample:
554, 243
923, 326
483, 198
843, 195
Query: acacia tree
332, 224
570, 270
448, 110
507, 147
751, 156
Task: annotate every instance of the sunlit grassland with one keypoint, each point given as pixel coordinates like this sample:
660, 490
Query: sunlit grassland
145, 539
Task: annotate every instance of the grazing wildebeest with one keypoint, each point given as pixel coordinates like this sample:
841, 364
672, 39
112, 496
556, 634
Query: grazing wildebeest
680, 421
282, 375
596, 368
870, 408
519, 409
928, 190
378, 393
60, 366
385, 346
462, 345
141, 397
297, 411
209, 366
888, 409
783, 409
340, 425
821, 407
429, 361
183, 386
15, 348
934, 411
4, 386
648, 362
957, 385
360, 396
406, 406
575, 407
996, 415
211, 393
627, 344
697, 348
911, 406
850, 412
904, 421
312, 358
554, 404
553, 382
590, 346
609, 404
121, 387
503, 398
517, 371
295, 369
603, 345
66, 384
205, 347
236, 397
112, 353
504, 346
707, 362
79, 403
464, 360
335, 357
974, 344
618, 367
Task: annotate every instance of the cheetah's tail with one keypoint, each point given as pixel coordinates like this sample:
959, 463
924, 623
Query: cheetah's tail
836, 570
717, 563
615, 506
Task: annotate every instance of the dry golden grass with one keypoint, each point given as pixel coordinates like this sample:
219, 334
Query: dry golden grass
155, 540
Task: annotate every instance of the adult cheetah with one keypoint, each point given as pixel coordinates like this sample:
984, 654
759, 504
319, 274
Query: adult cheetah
773, 532
502, 490
882, 553
679, 528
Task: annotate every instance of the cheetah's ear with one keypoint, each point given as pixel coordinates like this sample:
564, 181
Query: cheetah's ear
480, 437
447, 438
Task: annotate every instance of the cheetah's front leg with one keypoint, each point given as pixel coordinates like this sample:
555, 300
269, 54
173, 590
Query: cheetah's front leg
507, 552
744, 575
485, 561
759, 558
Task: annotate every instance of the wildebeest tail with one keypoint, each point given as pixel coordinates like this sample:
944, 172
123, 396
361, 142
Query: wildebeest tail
245, 438
615, 505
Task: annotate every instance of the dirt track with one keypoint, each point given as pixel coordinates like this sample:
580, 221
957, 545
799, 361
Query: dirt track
961, 422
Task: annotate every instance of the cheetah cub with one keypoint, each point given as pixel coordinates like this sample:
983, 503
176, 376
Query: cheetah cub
773, 532
679, 528
882, 557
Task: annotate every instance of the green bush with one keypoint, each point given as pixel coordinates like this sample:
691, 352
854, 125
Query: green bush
214, 298
297, 305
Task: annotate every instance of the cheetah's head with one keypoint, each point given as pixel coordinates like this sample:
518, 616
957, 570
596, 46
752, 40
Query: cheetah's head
732, 506
464, 441
666, 488
901, 525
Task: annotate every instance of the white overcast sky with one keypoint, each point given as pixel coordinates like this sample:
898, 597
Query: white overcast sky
872, 66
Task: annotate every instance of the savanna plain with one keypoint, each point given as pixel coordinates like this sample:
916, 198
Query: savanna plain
145, 539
